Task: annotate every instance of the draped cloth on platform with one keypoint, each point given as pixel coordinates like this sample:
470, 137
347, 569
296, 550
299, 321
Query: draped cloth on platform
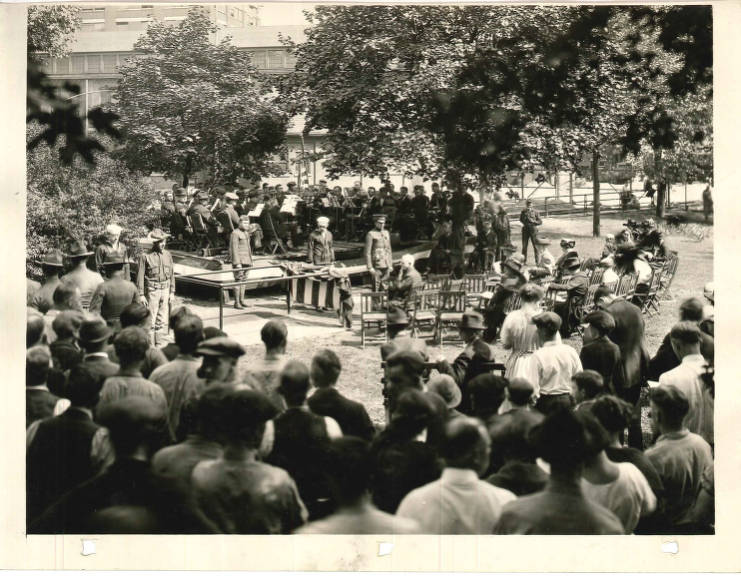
323, 292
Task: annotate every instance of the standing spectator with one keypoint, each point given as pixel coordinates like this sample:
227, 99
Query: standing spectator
599, 353
459, 502
155, 282
320, 250
628, 335
131, 346
94, 336
40, 403
66, 297
51, 267
327, 400
138, 314
31, 288
555, 364
487, 392
113, 295
519, 334
219, 365
588, 386
461, 211
301, 439
561, 508
65, 351
171, 350
666, 359
680, 457
264, 375
402, 458
530, 220
421, 209
240, 255
619, 487
707, 202
112, 245
378, 256
514, 277
80, 275
237, 492
501, 228
35, 328
687, 377
66, 450
349, 469
179, 379
444, 386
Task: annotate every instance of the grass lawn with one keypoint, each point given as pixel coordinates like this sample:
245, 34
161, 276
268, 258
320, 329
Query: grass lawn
361, 368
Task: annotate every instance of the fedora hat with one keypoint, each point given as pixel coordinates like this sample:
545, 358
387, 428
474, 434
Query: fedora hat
77, 249
95, 330
157, 235
472, 321
397, 317
444, 386
53, 258
515, 262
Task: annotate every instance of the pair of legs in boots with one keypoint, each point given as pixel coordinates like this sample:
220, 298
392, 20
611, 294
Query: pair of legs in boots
240, 274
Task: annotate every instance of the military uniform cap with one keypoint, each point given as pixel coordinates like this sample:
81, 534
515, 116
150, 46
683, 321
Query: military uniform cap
53, 258
379, 216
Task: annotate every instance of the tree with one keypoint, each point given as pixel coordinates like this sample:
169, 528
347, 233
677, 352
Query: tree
78, 200
186, 105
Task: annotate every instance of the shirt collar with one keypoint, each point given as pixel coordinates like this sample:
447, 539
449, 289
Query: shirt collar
95, 355
187, 357
674, 435
459, 476
551, 343
83, 410
693, 359
39, 387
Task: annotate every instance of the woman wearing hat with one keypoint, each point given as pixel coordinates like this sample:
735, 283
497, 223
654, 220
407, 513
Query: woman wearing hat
80, 275
514, 277
112, 244
240, 255
564, 264
51, 266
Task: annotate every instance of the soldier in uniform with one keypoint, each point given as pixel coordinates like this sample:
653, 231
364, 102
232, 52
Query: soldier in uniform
52, 266
80, 275
502, 231
112, 245
530, 221
228, 217
155, 283
199, 208
439, 201
177, 218
421, 209
240, 255
114, 294
378, 257
461, 210
320, 244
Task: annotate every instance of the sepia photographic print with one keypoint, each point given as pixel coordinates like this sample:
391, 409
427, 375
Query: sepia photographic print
389, 273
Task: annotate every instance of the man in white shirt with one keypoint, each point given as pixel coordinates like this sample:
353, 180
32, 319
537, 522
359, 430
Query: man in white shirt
686, 339
459, 502
555, 363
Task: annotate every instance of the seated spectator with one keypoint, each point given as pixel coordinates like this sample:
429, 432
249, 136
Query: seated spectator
609, 276
349, 467
402, 459
40, 403
561, 508
575, 283
686, 340
131, 345
65, 351
444, 386
555, 364
459, 502
179, 378
138, 314
487, 394
619, 487
680, 457
589, 386
134, 425
301, 439
264, 375
599, 353
237, 492
327, 400
666, 358
66, 450
94, 336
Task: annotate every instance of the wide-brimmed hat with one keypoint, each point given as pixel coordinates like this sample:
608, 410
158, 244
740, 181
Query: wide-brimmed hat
115, 258
158, 235
444, 386
567, 242
397, 317
77, 249
53, 258
515, 262
322, 221
94, 330
472, 320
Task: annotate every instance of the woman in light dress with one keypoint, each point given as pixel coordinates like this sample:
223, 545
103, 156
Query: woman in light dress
520, 336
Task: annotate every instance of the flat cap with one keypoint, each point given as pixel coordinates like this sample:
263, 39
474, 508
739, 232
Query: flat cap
601, 320
409, 358
220, 346
548, 320
379, 216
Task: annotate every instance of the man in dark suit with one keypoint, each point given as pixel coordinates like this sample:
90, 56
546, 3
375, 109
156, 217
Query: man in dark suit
599, 353
94, 336
628, 335
40, 402
327, 401
68, 449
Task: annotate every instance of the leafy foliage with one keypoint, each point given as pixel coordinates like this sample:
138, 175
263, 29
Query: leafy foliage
78, 200
187, 105
50, 29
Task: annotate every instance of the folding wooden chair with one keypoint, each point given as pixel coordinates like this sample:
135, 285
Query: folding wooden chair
651, 299
596, 278
626, 286
373, 310
670, 269
424, 317
437, 282
451, 306
474, 285
512, 304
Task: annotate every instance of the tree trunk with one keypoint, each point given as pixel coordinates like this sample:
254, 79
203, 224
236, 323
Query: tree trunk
595, 193
557, 183
660, 186
571, 187
186, 171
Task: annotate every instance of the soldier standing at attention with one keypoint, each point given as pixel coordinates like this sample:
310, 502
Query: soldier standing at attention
421, 208
461, 210
155, 283
321, 247
52, 266
199, 208
80, 275
530, 221
228, 217
240, 255
378, 257
116, 293
112, 244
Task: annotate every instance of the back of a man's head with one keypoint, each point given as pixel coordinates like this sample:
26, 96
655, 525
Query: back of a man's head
691, 310
245, 414
295, 383
134, 315
520, 391
210, 412
589, 383
35, 327
131, 345
487, 392
37, 365
597, 438
411, 412
65, 295
188, 333
325, 368
672, 405
466, 445
67, 324
134, 423
83, 386
603, 292
349, 468
274, 335
561, 441
509, 440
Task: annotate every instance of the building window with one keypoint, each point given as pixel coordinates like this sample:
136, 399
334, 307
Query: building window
275, 59
93, 63
93, 26
110, 62
61, 66
78, 64
121, 23
259, 59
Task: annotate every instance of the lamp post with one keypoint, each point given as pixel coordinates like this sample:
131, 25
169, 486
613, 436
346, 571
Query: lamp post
85, 94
